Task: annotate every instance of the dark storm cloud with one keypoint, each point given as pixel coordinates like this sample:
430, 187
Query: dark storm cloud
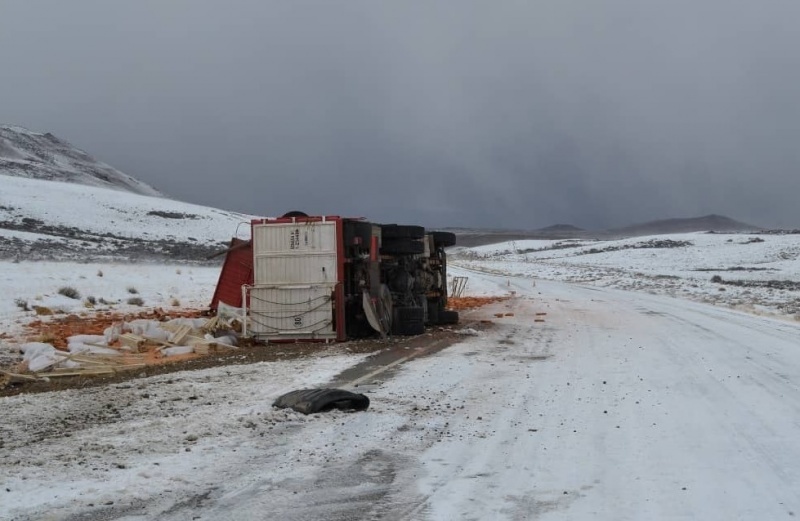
515, 114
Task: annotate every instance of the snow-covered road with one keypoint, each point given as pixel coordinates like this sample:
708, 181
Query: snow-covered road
617, 406
647, 408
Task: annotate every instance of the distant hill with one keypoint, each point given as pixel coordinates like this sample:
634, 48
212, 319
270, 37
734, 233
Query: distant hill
28, 154
560, 228
717, 223
475, 237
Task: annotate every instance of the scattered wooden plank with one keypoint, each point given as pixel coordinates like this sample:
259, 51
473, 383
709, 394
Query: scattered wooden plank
179, 336
60, 370
158, 342
211, 324
204, 346
166, 326
92, 360
93, 344
134, 342
88, 355
201, 349
76, 372
127, 367
88, 361
13, 378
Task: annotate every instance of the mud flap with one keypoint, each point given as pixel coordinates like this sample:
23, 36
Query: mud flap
310, 401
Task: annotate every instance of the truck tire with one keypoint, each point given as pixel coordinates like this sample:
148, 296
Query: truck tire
447, 317
433, 312
408, 321
443, 239
294, 213
402, 247
397, 231
362, 230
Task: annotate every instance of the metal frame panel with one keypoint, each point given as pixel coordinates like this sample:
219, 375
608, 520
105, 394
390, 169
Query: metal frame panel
292, 312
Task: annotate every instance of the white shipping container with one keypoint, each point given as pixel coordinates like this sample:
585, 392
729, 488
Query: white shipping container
294, 275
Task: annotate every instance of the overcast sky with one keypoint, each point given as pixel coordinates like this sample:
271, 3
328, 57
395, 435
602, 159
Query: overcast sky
453, 113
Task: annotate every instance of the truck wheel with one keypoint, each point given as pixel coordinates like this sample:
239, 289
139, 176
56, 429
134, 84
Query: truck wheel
294, 213
397, 231
408, 321
402, 247
362, 230
443, 239
448, 317
433, 312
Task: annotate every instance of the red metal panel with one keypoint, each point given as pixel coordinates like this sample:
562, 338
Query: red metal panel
237, 270
286, 220
341, 327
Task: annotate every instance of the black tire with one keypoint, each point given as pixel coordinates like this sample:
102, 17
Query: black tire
433, 312
309, 401
443, 239
294, 213
448, 317
413, 329
402, 247
362, 230
397, 231
408, 321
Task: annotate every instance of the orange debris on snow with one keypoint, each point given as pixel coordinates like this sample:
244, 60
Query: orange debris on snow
462, 303
56, 331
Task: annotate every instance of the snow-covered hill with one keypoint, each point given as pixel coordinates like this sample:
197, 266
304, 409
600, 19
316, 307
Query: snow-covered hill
49, 220
32, 155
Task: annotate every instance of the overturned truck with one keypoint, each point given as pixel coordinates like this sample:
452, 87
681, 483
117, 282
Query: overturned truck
330, 278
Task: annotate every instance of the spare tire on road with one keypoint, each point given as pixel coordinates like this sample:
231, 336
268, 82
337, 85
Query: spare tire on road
310, 401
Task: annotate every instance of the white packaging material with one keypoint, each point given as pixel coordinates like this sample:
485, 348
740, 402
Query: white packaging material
146, 328
177, 350
40, 356
112, 333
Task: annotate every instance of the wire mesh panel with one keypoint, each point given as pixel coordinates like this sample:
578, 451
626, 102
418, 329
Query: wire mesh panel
458, 285
292, 312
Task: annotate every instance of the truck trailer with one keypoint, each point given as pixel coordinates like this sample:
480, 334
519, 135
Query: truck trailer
329, 278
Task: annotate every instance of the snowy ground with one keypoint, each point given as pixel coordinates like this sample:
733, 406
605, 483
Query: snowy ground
612, 405
683, 271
